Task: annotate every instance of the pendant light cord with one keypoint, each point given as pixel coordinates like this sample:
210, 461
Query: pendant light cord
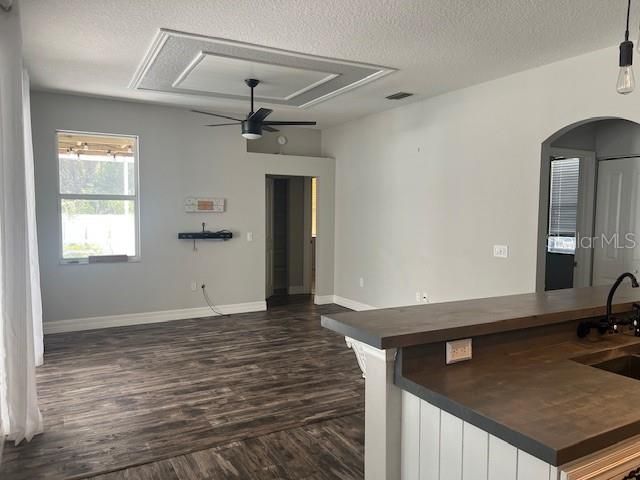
626, 33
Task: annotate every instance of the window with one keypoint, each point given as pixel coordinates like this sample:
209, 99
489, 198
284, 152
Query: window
563, 205
97, 196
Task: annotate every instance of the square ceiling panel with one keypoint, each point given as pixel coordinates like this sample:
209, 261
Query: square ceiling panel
217, 74
195, 65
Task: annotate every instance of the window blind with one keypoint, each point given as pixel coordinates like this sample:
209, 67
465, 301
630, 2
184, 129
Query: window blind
563, 199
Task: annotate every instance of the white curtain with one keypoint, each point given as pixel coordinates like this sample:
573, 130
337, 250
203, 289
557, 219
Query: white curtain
20, 311
33, 284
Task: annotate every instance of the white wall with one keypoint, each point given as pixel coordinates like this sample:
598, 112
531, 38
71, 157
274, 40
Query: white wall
424, 191
178, 158
300, 141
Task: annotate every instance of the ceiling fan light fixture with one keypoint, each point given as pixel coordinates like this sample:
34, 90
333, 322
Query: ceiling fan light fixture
251, 131
251, 136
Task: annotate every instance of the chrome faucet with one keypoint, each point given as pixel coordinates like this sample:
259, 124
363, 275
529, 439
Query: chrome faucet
609, 323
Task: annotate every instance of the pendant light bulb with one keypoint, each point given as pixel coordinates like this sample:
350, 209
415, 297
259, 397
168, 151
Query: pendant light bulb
626, 80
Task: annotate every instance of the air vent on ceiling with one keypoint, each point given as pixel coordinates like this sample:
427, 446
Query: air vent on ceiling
399, 96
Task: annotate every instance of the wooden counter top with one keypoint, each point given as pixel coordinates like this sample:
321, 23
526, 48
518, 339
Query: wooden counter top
533, 391
420, 324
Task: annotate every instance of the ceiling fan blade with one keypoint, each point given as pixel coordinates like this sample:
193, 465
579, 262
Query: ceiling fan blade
223, 124
289, 123
267, 128
217, 115
260, 115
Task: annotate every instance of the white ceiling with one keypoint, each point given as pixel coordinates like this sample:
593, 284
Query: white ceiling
95, 46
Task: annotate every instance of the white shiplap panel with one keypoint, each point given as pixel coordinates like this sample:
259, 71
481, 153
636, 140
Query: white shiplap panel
503, 460
450, 447
410, 437
429, 441
531, 468
475, 453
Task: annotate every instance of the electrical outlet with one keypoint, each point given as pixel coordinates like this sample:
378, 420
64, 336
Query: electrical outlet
500, 251
249, 236
418, 297
425, 297
459, 351
361, 282
194, 285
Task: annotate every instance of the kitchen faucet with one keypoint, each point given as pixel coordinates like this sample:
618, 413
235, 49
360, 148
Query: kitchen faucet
609, 322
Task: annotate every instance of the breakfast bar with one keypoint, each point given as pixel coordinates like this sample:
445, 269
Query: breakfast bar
533, 401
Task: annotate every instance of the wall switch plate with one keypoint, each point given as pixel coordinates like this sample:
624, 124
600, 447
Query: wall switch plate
361, 282
500, 251
249, 236
194, 285
459, 351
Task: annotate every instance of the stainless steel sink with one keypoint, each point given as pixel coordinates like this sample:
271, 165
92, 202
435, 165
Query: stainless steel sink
627, 366
623, 361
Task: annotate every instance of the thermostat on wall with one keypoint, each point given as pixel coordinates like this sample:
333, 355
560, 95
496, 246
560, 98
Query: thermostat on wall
204, 205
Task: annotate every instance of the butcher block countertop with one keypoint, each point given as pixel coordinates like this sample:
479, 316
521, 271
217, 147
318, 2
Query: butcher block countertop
542, 395
420, 324
531, 382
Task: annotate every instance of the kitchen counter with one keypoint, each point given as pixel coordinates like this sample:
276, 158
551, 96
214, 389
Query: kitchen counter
530, 383
420, 324
532, 394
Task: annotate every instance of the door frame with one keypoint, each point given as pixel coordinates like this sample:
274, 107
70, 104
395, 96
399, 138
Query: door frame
585, 218
268, 236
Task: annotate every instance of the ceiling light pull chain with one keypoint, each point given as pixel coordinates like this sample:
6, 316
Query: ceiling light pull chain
626, 79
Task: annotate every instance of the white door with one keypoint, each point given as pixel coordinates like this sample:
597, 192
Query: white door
269, 237
616, 243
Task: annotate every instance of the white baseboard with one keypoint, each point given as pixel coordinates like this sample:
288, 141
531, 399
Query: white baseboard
297, 290
352, 304
323, 299
92, 323
343, 302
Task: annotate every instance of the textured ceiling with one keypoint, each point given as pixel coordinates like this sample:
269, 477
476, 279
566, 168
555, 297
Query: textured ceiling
94, 46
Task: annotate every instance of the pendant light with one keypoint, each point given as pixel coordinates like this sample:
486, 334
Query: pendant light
626, 80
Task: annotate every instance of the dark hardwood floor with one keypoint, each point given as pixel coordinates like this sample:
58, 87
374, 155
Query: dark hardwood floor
260, 395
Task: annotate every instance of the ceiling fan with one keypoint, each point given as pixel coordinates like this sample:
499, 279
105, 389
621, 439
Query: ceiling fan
255, 123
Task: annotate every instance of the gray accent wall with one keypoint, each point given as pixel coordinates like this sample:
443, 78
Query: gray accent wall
178, 158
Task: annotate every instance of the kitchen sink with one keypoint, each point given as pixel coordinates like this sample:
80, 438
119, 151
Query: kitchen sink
627, 366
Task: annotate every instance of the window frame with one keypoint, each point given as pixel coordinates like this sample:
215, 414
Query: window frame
75, 196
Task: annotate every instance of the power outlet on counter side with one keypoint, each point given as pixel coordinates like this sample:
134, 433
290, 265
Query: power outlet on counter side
459, 351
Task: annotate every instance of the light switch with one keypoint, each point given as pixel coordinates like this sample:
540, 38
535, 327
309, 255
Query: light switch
249, 236
500, 251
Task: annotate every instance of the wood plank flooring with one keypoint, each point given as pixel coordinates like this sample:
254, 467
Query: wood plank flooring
332, 449
261, 395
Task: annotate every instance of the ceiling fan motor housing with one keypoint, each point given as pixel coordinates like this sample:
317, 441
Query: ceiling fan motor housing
251, 127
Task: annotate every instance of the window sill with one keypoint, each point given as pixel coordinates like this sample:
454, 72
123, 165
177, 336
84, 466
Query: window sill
84, 261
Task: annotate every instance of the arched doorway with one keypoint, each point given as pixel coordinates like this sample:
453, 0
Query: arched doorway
589, 213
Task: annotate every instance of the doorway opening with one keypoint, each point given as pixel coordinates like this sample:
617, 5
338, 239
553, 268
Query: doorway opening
588, 232
291, 231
